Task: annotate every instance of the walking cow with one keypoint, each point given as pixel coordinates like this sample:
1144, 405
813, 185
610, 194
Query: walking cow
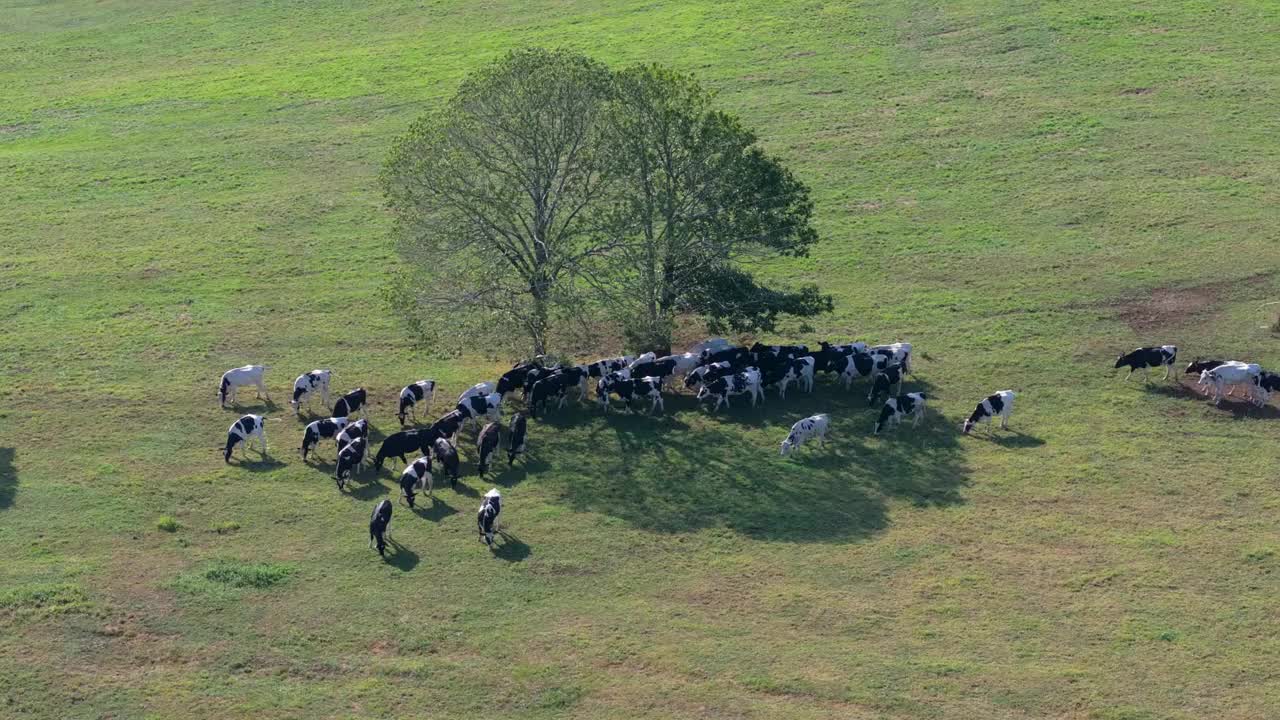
487, 517
380, 526
1149, 357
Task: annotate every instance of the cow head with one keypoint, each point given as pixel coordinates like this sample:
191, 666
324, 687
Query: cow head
788, 445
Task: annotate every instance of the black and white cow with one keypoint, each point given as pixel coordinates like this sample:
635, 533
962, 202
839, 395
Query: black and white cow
478, 406
422, 392
704, 374
899, 352
1200, 367
661, 369
532, 377
574, 376
380, 526
306, 386
845, 349
629, 390
477, 390
998, 403
746, 382
1149, 357
897, 408
516, 438
600, 368
860, 365
684, 363
514, 378
814, 426
486, 445
350, 459
416, 476
357, 429
1269, 381
487, 517
403, 443
766, 354
547, 389
245, 430
350, 403
236, 378
885, 379
832, 358
448, 425
1239, 374
326, 429
448, 458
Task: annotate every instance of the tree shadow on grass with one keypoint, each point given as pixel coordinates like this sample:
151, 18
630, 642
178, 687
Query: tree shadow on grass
8, 477
511, 548
525, 466
668, 477
402, 558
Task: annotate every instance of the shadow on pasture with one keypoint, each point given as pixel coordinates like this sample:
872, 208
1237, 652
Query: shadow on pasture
402, 558
671, 477
1174, 390
1007, 438
259, 464
510, 548
364, 489
8, 477
462, 489
433, 511
1239, 406
525, 466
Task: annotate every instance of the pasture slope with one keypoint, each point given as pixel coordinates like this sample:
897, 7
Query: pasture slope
1021, 189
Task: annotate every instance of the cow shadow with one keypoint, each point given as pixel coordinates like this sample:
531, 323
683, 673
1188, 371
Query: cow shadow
365, 490
1007, 438
403, 558
671, 478
1239, 407
463, 489
262, 464
8, 477
526, 465
511, 548
433, 509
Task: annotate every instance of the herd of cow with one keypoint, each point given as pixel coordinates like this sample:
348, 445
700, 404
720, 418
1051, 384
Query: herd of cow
716, 370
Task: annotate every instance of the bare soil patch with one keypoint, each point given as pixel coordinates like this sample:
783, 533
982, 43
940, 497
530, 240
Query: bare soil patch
1165, 307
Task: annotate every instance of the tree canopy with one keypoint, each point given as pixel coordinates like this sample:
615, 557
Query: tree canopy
549, 187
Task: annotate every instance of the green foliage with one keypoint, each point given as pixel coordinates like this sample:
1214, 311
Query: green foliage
222, 577
167, 524
226, 527
44, 599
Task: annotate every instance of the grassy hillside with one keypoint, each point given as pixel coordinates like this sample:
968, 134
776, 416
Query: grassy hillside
1021, 189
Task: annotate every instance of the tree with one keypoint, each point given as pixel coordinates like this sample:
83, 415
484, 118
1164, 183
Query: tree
498, 195
698, 200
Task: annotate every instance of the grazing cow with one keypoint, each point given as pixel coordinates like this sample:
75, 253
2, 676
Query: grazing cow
486, 445
487, 518
899, 352
247, 429
706, 373
860, 365
402, 443
885, 379
481, 405
733, 355
532, 377
514, 378
1234, 372
684, 363
746, 382
326, 429
999, 403
600, 368
380, 526
348, 404
350, 458
629, 390
814, 426
448, 458
1149, 357
236, 378
516, 438
896, 408
422, 391
478, 390
416, 476
307, 385
357, 429
448, 424
548, 388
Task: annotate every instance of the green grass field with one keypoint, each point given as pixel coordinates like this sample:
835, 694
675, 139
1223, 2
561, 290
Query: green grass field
1021, 189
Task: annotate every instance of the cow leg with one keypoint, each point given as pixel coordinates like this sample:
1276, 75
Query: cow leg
1126, 377
1166, 371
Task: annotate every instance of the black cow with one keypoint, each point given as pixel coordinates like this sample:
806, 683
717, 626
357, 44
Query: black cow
350, 458
402, 443
487, 517
486, 445
1149, 357
448, 458
348, 404
1198, 366
514, 378
536, 374
326, 429
380, 526
449, 424
660, 369
420, 392
732, 355
547, 388
516, 438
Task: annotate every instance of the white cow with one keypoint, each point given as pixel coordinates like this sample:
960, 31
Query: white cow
479, 389
307, 385
1236, 373
236, 378
807, 429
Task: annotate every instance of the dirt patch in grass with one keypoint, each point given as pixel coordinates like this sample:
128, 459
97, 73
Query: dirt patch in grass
1165, 307
1138, 91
